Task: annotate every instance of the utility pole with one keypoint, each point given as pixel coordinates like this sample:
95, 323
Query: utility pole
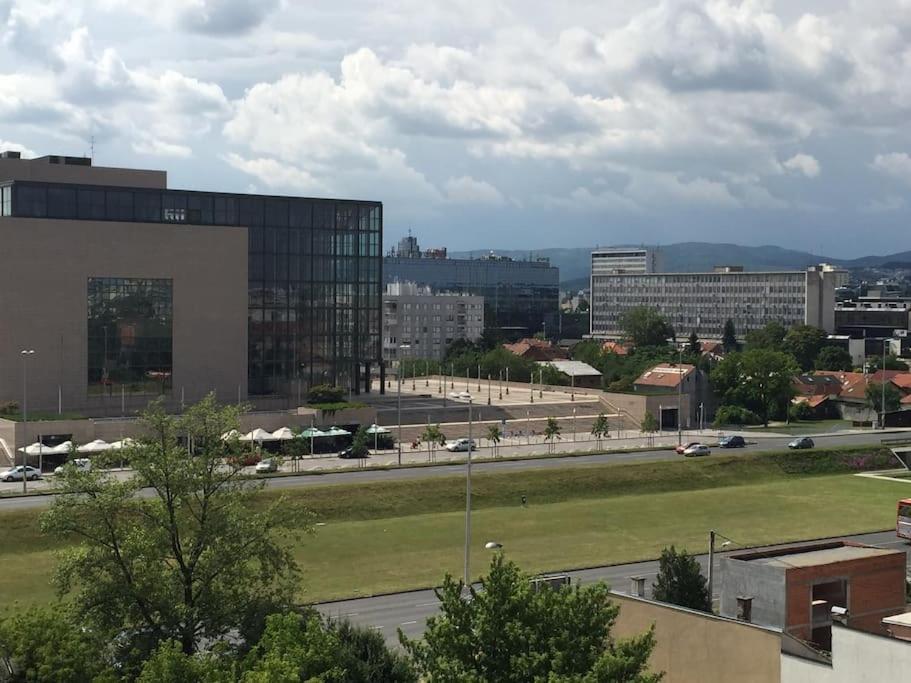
25, 353
711, 566
882, 419
679, 397
468, 507
398, 376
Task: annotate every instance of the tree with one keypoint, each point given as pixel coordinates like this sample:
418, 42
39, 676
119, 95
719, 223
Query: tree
600, 428
366, 658
583, 306
729, 336
693, 347
680, 581
511, 633
170, 664
758, 379
494, 435
875, 363
649, 424
874, 395
551, 432
360, 444
644, 326
294, 648
188, 562
834, 358
804, 342
325, 393
434, 437
769, 337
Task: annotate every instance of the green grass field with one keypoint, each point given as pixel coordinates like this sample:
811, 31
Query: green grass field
399, 535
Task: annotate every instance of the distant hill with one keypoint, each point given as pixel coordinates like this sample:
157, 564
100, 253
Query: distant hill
692, 257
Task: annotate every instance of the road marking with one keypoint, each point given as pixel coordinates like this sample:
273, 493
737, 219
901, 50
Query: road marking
376, 628
427, 604
350, 614
407, 623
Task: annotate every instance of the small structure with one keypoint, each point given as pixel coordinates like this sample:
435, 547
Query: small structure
536, 349
798, 588
666, 376
617, 348
582, 374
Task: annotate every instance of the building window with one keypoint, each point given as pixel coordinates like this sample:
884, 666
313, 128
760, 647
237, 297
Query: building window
129, 335
6, 201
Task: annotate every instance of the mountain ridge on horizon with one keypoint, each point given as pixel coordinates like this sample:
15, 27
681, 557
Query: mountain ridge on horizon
692, 257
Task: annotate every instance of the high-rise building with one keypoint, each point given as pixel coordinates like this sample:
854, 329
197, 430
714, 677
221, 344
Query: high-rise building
520, 297
620, 260
418, 323
127, 289
702, 302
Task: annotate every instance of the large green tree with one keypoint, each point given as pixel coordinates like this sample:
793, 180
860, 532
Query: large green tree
759, 380
729, 336
768, 337
834, 358
875, 363
191, 558
680, 581
644, 326
874, 395
804, 342
509, 632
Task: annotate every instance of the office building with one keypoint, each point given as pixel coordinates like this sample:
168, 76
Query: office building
520, 297
619, 260
702, 302
873, 317
420, 324
128, 290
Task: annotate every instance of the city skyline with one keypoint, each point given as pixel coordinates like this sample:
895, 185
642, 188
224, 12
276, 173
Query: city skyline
751, 122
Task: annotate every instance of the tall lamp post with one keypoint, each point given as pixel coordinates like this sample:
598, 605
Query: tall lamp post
711, 581
25, 353
679, 396
398, 376
882, 419
468, 505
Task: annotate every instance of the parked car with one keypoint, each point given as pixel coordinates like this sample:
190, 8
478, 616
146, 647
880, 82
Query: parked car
681, 449
349, 454
802, 442
697, 449
733, 441
15, 473
461, 445
267, 465
83, 464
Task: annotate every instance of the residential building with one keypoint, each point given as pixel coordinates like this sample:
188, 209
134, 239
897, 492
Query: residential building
580, 374
520, 297
420, 324
796, 588
703, 302
536, 349
128, 290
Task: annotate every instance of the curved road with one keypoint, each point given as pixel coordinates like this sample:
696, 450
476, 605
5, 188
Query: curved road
354, 476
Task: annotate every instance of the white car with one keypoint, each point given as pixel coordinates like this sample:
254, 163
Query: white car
461, 445
83, 464
266, 466
460, 395
697, 449
15, 473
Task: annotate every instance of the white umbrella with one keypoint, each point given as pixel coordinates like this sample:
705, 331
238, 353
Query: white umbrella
283, 434
61, 449
233, 434
36, 448
258, 435
375, 429
96, 446
125, 443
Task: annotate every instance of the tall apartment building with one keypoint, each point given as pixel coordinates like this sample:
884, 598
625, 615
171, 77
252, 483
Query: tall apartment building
619, 260
128, 290
702, 302
420, 324
521, 298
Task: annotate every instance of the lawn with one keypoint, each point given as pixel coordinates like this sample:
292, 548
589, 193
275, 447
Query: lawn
398, 535
805, 427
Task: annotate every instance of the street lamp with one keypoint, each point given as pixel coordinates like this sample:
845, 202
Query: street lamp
493, 545
679, 396
398, 376
882, 379
727, 542
468, 504
25, 353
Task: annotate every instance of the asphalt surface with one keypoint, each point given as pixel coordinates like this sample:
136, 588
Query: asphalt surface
409, 611
355, 476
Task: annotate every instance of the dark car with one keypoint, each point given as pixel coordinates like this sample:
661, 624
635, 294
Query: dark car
350, 454
802, 442
733, 441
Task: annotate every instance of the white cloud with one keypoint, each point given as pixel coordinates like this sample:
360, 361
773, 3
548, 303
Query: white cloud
895, 164
467, 190
886, 204
6, 146
803, 163
216, 17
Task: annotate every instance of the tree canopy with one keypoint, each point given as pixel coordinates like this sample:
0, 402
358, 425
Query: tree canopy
834, 358
804, 342
729, 336
768, 337
692, 345
874, 395
757, 379
511, 633
644, 326
680, 581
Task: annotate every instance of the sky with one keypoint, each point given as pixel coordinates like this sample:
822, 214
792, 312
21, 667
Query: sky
494, 124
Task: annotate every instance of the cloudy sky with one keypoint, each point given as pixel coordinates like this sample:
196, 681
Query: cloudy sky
524, 124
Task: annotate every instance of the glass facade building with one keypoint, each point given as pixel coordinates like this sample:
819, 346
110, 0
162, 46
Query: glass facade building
314, 280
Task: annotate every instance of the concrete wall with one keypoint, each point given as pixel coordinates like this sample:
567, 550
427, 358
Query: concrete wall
636, 405
765, 584
693, 647
41, 170
857, 657
43, 304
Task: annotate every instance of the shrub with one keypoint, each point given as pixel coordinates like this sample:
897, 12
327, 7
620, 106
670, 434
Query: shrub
325, 393
800, 411
735, 415
9, 407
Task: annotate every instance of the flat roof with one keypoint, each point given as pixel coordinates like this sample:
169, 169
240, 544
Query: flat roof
903, 619
573, 368
815, 555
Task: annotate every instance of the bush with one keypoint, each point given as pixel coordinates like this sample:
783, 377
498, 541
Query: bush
735, 415
9, 407
831, 461
800, 411
325, 393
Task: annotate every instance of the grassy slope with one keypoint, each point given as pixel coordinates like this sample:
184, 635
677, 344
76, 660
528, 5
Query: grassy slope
398, 535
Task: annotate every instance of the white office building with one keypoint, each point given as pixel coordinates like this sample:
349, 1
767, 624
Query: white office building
624, 260
702, 302
420, 324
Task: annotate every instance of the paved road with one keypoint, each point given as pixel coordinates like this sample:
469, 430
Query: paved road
355, 475
409, 611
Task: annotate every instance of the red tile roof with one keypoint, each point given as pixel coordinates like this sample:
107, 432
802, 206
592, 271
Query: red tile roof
619, 348
665, 375
536, 349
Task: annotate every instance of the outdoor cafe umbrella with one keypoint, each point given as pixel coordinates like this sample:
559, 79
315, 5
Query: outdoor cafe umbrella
36, 448
311, 433
376, 430
282, 434
258, 435
61, 449
336, 431
233, 434
123, 443
96, 446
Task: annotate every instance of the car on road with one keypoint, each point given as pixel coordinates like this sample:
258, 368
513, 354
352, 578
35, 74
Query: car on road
83, 464
15, 473
681, 449
460, 395
349, 454
266, 466
461, 445
697, 449
802, 442
733, 441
